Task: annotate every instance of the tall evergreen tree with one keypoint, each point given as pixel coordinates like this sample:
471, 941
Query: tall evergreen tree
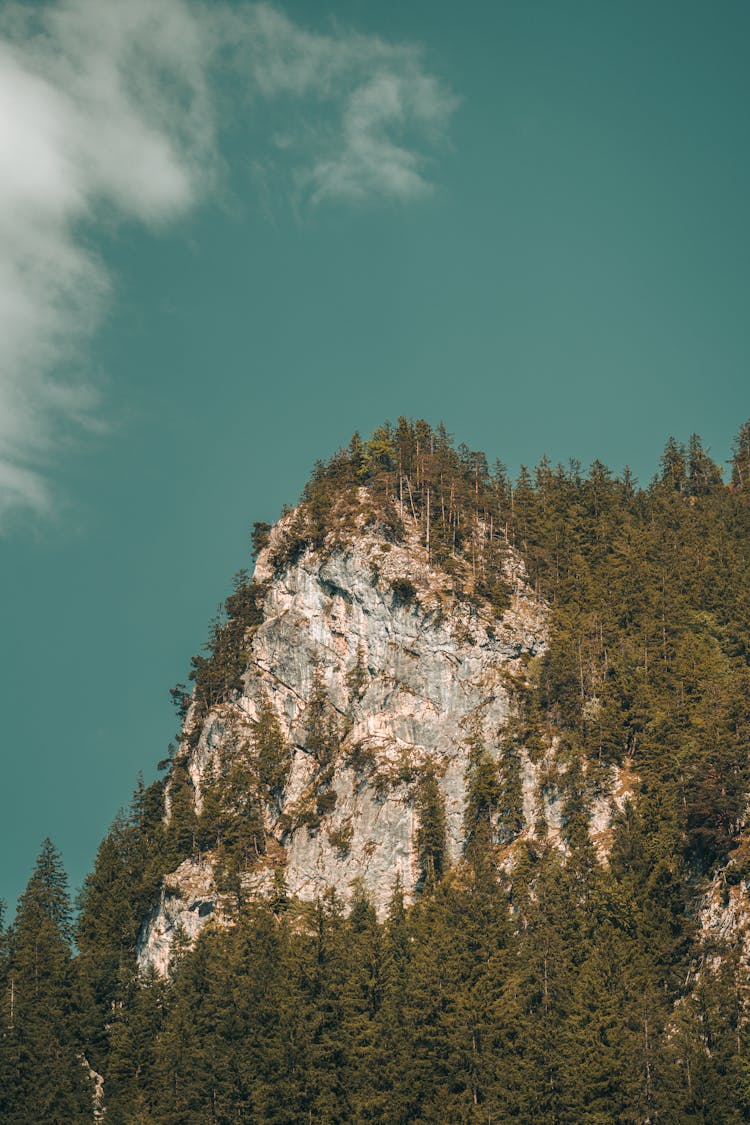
41, 1036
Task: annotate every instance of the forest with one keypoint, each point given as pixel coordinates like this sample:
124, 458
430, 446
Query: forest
555, 989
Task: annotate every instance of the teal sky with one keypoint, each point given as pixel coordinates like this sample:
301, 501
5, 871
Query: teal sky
556, 260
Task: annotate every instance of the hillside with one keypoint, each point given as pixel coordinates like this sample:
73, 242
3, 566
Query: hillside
454, 827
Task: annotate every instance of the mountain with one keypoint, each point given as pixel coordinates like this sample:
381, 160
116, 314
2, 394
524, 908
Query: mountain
456, 823
369, 670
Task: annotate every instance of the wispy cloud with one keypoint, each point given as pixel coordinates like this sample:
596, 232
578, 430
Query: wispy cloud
109, 110
388, 109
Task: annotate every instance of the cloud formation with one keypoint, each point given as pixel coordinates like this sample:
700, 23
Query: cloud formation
386, 105
109, 110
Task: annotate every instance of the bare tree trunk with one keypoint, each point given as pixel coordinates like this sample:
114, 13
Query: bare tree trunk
411, 498
428, 525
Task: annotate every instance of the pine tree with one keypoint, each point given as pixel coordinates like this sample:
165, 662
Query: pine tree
482, 799
430, 809
41, 1034
272, 754
741, 458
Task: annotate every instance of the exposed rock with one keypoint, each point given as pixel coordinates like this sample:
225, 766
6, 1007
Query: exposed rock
724, 917
97, 1088
621, 788
415, 672
186, 903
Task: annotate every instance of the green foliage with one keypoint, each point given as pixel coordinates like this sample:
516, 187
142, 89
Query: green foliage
341, 838
272, 755
510, 798
181, 837
741, 458
404, 591
430, 810
573, 993
218, 676
483, 793
259, 537
322, 734
356, 677
410, 471
41, 1036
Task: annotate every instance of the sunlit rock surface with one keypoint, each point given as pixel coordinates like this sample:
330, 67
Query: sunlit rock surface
437, 671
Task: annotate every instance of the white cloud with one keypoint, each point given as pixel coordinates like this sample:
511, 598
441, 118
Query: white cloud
369, 158
109, 108
386, 104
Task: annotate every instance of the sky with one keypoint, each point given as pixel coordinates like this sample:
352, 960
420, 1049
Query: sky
231, 234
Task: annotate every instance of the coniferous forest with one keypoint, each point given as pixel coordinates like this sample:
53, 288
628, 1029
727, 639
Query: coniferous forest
528, 982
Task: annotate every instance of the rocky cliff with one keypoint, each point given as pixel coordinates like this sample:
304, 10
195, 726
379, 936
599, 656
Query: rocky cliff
378, 668
456, 824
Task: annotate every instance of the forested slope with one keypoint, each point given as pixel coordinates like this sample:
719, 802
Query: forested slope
537, 976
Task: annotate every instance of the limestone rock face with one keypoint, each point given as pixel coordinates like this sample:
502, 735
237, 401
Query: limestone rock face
414, 672
724, 917
186, 903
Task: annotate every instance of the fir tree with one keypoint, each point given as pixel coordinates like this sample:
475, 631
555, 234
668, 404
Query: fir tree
430, 810
41, 1039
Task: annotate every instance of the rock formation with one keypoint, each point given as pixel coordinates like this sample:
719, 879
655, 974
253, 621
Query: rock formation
379, 668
